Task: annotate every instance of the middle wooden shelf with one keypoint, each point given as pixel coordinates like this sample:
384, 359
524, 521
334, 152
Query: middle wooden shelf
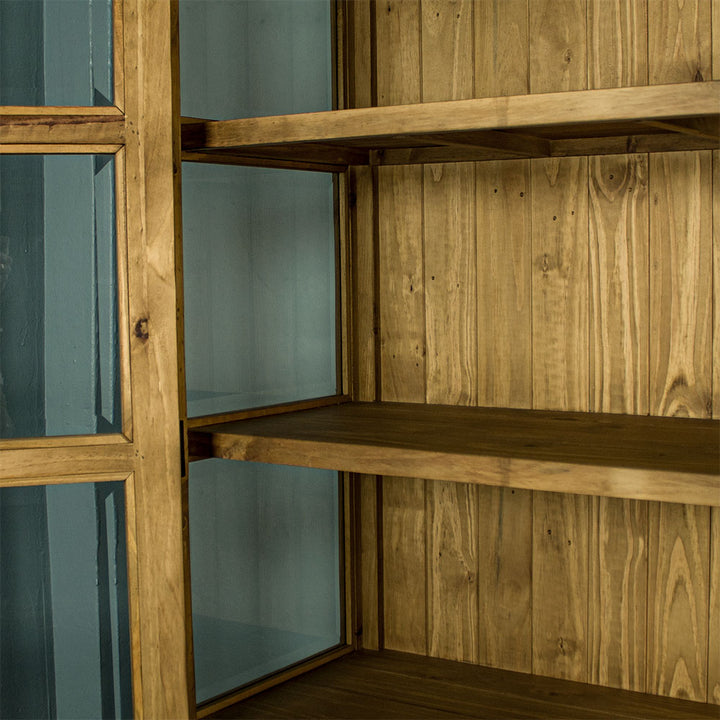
656, 118
639, 457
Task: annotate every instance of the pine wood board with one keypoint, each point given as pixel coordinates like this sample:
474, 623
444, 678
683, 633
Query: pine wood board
605, 454
551, 111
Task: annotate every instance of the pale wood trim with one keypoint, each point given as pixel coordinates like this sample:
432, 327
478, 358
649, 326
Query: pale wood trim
67, 479
347, 559
665, 459
45, 111
65, 460
343, 301
118, 55
123, 296
613, 105
134, 595
214, 706
198, 422
62, 129
66, 441
160, 610
63, 149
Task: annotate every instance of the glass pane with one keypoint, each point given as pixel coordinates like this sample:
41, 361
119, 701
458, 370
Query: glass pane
56, 52
259, 264
59, 356
245, 58
265, 560
64, 627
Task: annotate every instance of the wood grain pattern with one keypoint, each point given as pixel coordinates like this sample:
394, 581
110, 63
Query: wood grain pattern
501, 47
560, 283
716, 278
618, 593
160, 676
617, 43
558, 50
504, 284
680, 284
452, 571
402, 330
450, 331
679, 41
619, 297
397, 685
560, 585
713, 695
505, 521
678, 600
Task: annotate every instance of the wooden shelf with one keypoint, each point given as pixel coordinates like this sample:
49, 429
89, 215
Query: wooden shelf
390, 684
648, 458
683, 116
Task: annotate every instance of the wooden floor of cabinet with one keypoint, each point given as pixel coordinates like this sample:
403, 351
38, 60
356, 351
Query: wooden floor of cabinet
397, 685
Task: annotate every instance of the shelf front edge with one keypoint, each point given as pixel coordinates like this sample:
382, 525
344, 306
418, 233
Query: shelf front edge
530, 474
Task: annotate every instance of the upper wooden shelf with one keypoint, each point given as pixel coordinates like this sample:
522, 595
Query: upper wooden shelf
656, 118
647, 458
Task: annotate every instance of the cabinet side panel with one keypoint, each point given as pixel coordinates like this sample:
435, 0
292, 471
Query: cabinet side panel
678, 600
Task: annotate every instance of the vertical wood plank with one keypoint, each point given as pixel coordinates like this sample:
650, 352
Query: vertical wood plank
618, 593
678, 600
619, 332
450, 307
679, 41
504, 284
713, 695
680, 284
558, 53
619, 296
558, 61
505, 519
501, 47
162, 686
402, 330
560, 585
560, 284
617, 43
504, 253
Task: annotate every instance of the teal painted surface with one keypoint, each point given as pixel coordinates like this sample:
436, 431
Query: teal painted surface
246, 58
59, 352
265, 562
64, 625
259, 273
259, 257
56, 52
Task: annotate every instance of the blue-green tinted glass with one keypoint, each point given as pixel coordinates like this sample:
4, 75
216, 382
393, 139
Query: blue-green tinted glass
259, 268
59, 357
246, 58
56, 52
64, 628
265, 565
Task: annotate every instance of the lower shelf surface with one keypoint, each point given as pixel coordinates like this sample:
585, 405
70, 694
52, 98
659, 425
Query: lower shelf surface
396, 685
